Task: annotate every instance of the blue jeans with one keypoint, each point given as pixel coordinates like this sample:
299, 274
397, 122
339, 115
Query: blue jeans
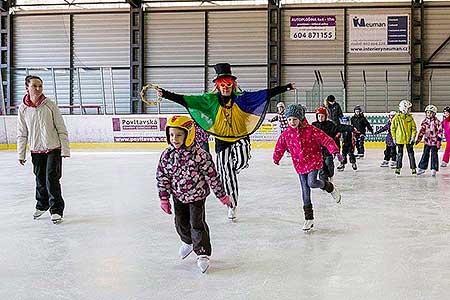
308, 181
423, 164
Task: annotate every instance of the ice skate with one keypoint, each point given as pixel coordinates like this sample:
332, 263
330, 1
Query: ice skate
414, 172
203, 263
56, 219
393, 164
397, 171
433, 173
308, 225
341, 167
232, 214
38, 213
443, 164
419, 171
354, 166
185, 250
336, 194
384, 163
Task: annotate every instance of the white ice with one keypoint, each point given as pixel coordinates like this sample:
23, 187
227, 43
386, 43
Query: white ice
389, 239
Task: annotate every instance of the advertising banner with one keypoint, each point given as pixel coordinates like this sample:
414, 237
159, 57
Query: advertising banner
379, 33
313, 28
139, 130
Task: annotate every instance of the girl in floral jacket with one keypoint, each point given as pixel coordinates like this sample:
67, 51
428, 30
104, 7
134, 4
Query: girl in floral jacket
446, 126
431, 131
186, 172
304, 143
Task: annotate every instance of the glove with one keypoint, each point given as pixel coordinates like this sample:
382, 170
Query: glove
339, 156
438, 145
165, 206
225, 200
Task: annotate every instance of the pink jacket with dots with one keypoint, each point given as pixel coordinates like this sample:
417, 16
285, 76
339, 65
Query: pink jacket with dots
446, 126
304, 145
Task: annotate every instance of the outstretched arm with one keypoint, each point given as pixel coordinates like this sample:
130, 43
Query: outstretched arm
281, 89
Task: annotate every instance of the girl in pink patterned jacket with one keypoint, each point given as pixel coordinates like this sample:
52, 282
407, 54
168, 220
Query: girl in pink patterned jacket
446, 126
186, 171
431, 132
304, 143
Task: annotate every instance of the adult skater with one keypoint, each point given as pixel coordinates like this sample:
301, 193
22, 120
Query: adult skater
41, 125
231, 116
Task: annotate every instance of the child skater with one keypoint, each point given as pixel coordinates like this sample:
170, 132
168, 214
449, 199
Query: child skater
390, 152
280, 117
186, 171
348, 147
431, 131
332, 129
304, 142
360, 122
446, 126
403, 130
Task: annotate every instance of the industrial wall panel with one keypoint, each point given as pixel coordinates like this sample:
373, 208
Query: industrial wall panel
40, 42
186, 81
315, 51
174, 39
101, 40
377, 99
385, 57
237, 37
438, 92
437, 30
309, 92
92, 90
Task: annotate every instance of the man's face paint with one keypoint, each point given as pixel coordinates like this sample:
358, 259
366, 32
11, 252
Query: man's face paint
225, 85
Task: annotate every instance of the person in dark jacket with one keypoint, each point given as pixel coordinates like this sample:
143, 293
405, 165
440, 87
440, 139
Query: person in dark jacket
348, 146
332, 130
334, 109
360, 122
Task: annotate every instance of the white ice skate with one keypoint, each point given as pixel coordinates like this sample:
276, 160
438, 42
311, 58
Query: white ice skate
384, 163
185, 250
56, 219
336, 194
443, 164
393, 164
203, 263
433, 173
420, 171
232, 212
308, 225
38, 213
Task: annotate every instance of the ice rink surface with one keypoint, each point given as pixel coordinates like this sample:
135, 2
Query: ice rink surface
389, 239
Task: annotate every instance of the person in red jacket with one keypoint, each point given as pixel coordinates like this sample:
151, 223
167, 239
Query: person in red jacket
305, 143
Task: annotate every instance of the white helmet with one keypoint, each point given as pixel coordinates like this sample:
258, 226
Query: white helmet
404, 106
392, 113
431, 108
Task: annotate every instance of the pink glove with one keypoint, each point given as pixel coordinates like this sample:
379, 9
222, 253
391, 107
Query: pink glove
165, 206
225, 200
339, 156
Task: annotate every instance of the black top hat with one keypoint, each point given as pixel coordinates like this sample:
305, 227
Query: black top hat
222, 70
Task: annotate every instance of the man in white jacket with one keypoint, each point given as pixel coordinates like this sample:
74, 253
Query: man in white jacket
40, 123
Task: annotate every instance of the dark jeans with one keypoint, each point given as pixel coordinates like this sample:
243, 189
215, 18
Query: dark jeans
190, 223
348, 150
327, 170
359, 140
48, 168
390, 153
410, 150
423, 164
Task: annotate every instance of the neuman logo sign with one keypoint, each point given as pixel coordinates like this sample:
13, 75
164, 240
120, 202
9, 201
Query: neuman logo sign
361, 22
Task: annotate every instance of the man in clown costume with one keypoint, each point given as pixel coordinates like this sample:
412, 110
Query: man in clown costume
231, 116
